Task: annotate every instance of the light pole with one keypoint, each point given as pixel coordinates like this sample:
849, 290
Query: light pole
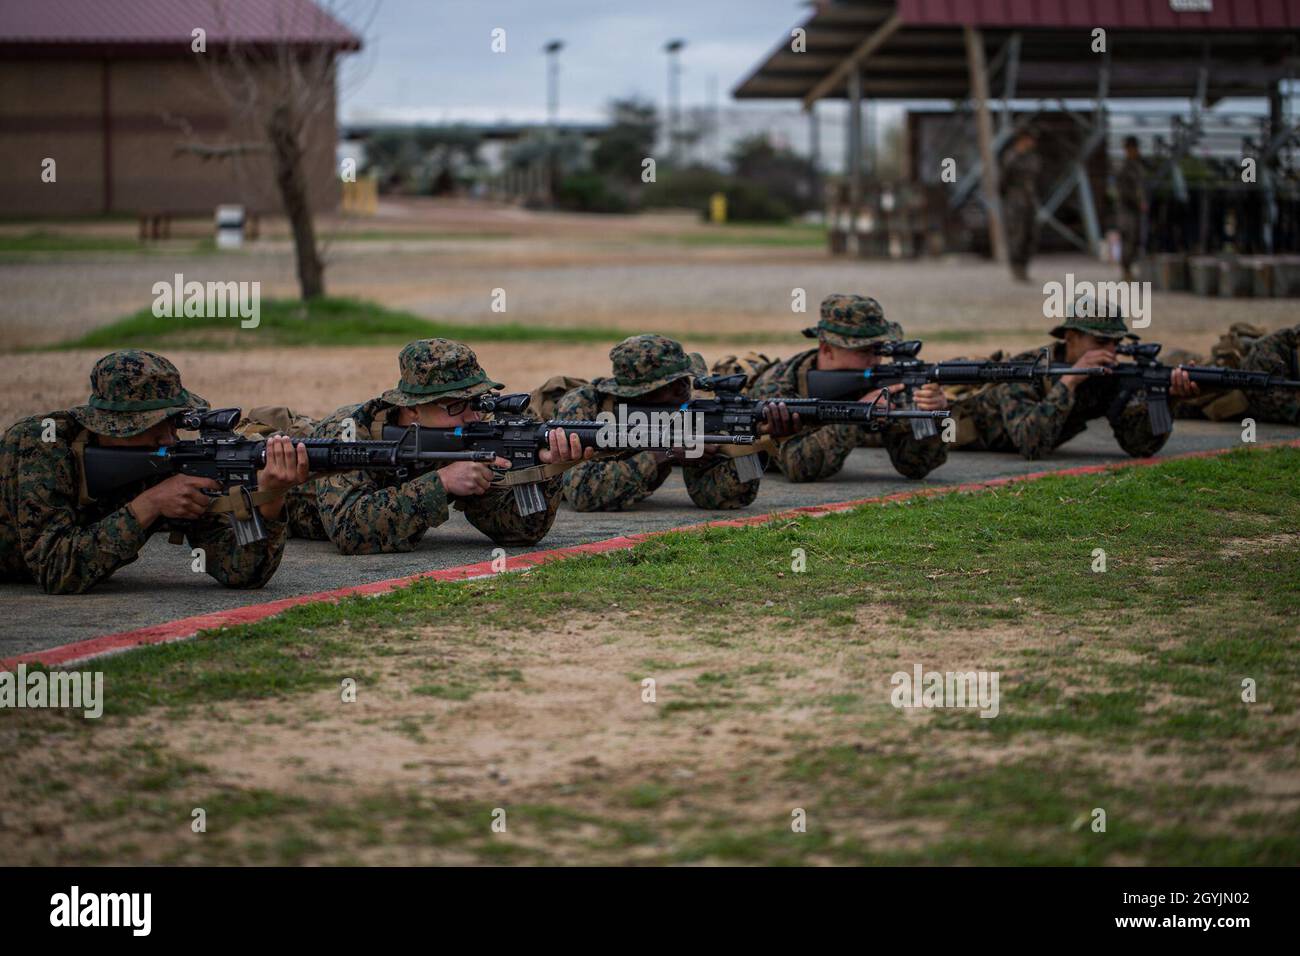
552, 51
673, 48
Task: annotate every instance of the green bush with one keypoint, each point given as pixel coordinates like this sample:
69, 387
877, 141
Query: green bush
750, 202
589, 192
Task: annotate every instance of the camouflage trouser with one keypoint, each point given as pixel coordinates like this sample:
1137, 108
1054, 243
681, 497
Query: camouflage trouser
1022, 231
1130, 237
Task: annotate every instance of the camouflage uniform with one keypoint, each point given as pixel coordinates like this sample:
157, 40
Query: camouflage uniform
1035, 418
643, 363
364, 512
1128, 184
1019, 186
66, 543
851, 322
1250, 349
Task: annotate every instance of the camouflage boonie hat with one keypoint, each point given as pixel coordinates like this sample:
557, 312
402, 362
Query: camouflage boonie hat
434, 369
130, 392
643, 363
1081, 315
853, 322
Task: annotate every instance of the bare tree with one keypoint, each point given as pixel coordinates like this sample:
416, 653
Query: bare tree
278, 88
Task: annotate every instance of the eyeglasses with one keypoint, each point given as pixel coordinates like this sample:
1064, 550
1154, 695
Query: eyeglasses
457, 407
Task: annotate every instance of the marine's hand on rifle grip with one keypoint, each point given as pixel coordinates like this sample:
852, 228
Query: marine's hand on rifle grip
1181, 384
180, 496
563, 447
468, 478
930, 397
779, 421
286, 466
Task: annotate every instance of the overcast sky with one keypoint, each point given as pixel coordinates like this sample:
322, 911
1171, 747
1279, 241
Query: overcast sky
432, 59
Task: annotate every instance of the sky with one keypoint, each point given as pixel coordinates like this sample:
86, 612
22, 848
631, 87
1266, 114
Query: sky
431, 60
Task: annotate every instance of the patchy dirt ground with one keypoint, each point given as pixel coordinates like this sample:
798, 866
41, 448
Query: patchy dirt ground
631, 273
553, 727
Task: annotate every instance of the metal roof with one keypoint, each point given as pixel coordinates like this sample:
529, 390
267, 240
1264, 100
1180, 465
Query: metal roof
1246, 46
1120, 14
162, 26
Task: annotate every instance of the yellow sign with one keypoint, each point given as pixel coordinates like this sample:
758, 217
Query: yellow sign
718, 208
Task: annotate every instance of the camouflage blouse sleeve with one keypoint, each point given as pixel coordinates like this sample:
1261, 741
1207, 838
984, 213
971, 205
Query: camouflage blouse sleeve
232, 565
1034, 421
363, 516
64, 557
608, 484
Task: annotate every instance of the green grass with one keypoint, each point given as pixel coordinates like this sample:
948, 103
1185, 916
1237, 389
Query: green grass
795, 235
38, 241
330, 322
1100, 672
333, 322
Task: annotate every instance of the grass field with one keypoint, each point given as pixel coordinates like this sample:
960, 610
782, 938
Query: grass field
1120, 690
330, 321
350, 322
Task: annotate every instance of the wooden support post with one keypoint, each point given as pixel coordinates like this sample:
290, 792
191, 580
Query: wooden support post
979, 84
854, 163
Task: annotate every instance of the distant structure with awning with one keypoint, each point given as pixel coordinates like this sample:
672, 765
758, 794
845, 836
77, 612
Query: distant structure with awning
1201, 50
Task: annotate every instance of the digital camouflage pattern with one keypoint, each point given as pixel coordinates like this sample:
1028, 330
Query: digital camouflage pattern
817, 454
132, 390
1252, 349
643, 363
48, 536
1082, 316
853, 322
1020, 205
368, 512
1035, 418
433, 369
617, 484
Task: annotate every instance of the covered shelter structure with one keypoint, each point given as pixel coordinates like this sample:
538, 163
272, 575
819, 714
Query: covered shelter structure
109, 108
983, 51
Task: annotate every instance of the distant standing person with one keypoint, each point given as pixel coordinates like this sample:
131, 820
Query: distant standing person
1132, 206
1020, 169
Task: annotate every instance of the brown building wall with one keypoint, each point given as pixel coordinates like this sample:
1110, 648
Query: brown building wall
55, 108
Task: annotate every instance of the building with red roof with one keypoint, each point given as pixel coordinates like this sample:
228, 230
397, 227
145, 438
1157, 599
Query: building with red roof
119, 96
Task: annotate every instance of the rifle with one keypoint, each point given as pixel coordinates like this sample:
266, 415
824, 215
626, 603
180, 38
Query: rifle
233, 461
521, 440
737, 416
1145, 373
911, 373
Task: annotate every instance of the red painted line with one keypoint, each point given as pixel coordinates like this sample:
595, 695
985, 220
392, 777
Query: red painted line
189, 626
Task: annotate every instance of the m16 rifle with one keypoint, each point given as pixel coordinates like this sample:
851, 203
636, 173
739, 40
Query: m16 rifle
910, 372
233, 460
1147, 374
521, 441
733, 416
